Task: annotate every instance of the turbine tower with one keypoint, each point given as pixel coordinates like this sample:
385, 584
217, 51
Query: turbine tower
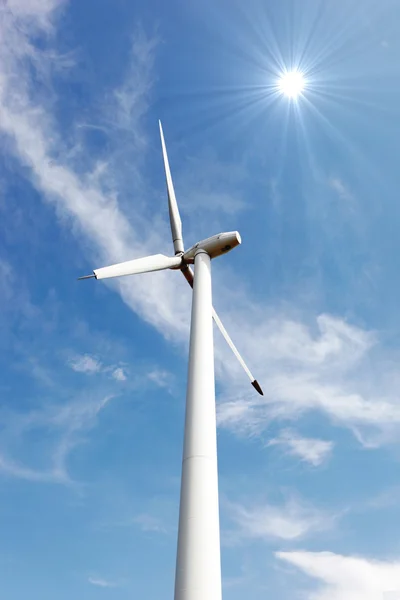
198, 564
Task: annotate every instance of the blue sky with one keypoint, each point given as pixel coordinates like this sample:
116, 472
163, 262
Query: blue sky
93, 375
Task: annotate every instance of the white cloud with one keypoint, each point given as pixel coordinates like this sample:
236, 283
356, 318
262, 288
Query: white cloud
14, 469
62, 429
85, 364
13, 296
132, 97
340, 188
149, 523
6, 277
347, 577
37, 12
119, 374
92, 206
311, 450
384, 499
160, 377
101, 582
333, 342
327, 368
289, 521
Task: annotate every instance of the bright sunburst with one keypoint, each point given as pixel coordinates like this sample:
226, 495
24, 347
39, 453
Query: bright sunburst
291, 84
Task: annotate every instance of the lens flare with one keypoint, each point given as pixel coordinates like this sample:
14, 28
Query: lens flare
292, 84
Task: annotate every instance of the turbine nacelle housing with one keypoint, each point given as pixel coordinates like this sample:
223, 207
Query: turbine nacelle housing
214, 245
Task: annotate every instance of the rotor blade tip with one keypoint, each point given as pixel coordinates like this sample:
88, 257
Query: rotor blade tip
86, 277
257, 386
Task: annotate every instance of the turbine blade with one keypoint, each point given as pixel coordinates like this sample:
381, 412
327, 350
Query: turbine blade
157, 262
189, 276
235, 351
174, 217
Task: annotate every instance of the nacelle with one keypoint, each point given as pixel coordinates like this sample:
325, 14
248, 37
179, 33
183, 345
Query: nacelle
215, 245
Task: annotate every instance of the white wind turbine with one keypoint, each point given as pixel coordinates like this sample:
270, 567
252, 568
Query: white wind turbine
198, 565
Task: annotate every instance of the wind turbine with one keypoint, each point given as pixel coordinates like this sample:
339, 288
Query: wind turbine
198, 564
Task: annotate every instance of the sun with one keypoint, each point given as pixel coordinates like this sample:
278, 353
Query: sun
292, 84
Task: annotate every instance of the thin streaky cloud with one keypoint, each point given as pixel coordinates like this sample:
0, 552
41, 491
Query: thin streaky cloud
96, 212
63, 428
10, 468
291, 520
149, 523
311, 450
101, 582
340, 188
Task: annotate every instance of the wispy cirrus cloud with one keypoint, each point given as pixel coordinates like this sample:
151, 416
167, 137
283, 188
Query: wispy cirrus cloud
60, 410
62, 428
291, 520
89, 201
13, 469
34, 11
101, 582
310, 450
132, 97
5, 279
340, 188
149, 523
160, 377
347, 577
64, 424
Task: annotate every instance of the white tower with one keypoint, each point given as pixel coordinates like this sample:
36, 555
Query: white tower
198, 562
